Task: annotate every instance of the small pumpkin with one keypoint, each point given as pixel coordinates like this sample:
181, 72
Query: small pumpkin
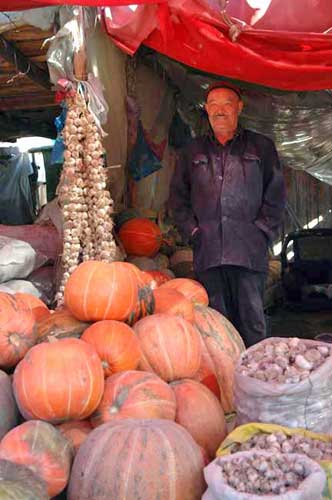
140, 237
76, 431
116, 344
60, 324
18, 482
191, 289
8, 408
17, 329
39, 309
171, 301
43, 449
135, 394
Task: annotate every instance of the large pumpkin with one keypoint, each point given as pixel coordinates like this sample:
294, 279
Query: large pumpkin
99, 290
140, 237
17, 329
39, 309
60, 324
170, 346
43, 449
59, 381
221, 349
18, 482
200, 412
116, 344
133, 459
191, 289
171, 301
135, 394
8, 408
76, 431
145, 299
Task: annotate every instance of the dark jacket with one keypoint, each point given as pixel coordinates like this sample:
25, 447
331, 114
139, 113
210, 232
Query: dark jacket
234, 194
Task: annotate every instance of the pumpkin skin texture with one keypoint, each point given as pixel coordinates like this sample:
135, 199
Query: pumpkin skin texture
98, 290
138, 459
135, 394
39, 309
170, 346
160, 277
170, 301
191, 289
59, 381
140, 237
116, 344
17, 329
222, 346
145, 300
60, 324
76, 431
20, 483
8, 408
200, 412
43, 449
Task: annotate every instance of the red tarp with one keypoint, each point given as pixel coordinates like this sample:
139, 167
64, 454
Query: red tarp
8, 5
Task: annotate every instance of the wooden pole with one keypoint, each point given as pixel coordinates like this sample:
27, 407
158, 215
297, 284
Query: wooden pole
80, 58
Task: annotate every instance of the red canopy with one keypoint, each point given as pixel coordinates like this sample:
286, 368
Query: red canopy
8, 5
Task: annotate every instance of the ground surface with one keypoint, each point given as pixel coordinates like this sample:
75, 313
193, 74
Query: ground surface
286, 323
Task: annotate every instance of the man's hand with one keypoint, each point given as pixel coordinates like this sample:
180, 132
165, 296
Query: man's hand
194, 231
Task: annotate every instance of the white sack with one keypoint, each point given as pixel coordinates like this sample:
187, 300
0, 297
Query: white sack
17, 259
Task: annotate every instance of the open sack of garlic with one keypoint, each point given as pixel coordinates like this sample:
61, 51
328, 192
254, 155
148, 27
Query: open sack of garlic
264, 476
85, 202
286, 382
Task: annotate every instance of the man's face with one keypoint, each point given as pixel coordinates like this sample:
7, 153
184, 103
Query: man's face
223, 107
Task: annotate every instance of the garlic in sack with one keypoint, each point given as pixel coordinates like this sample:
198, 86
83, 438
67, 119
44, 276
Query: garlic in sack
283, 361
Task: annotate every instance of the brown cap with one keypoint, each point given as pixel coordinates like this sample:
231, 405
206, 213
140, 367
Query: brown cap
223, 85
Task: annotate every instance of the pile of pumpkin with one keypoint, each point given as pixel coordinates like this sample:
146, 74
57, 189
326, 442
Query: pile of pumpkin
132, 380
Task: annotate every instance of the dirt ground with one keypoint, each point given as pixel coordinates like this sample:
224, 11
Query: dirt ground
283, 322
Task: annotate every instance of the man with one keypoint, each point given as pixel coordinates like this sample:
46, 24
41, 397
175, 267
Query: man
227, 197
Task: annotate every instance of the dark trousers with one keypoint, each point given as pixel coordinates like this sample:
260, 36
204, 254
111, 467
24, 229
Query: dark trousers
237, 293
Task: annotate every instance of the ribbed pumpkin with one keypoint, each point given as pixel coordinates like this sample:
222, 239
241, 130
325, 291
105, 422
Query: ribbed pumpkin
140, 237
170, 301
43, 449
60, 324
133, 459
191, 289
145, 299
76, 431
135, 394
170, 346
221, 349
160, 277
17, 329
200, 412
8, 408
99, 290
116, 344
59, 381
18, 482
39, 309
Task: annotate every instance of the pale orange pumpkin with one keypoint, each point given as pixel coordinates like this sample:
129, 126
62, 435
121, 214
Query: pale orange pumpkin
60, 324
39, 309
171, 301
76, 431
191, 289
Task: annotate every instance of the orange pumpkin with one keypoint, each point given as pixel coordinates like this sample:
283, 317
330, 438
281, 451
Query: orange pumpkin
200, 412
17, 329
60, 324
39, 309
43, 449
145, 300
131, 459
221, 349
140, 237
170, 346
135, 394
59, 381
99, 290
173, 302
159, 277
116, 344
76, 431
191, 289
20, 483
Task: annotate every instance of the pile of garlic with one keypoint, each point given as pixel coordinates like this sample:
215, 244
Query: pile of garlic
85, 203
286, 361
266, 474
279, 442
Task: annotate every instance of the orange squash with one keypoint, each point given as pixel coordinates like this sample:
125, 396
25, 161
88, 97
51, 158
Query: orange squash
140, 237
191, 289
131, 459
221, 346
39, 309
171, 301
98, 290
42, 448
145, 300
170, 346
59, 381
17, 329
76, 431
135, 394
60, 324
116, 344
200, 412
